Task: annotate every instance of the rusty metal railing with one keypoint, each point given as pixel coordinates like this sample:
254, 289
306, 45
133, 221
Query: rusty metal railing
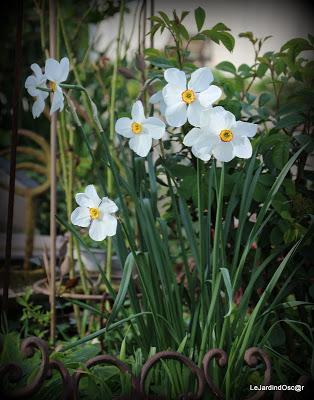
70, 382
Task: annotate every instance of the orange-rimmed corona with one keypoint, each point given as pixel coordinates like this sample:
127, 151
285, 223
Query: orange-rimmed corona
226, 135
94, 213
188, 96
53, 86
136, 128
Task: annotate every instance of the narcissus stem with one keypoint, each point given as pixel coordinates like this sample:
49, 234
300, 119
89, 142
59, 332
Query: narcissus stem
111, 130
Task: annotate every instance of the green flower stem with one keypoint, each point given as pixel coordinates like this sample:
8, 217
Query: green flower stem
218, 226
201, 265
179, 228
112, 131
210, 314
60, 132
200, 217
87, 106
216, 277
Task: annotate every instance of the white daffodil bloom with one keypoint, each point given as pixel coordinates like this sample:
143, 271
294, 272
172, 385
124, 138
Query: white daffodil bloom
140, 130
158, 98
31, 84
56, 72
185, 101
95, 213
221, 135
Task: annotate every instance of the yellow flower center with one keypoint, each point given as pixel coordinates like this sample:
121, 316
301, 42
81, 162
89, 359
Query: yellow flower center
188, 96
94, 213
226, 135
53, 86
136, 127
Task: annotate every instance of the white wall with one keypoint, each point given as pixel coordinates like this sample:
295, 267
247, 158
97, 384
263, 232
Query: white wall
282, 19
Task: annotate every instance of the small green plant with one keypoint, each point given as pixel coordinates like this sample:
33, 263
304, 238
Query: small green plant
35, 319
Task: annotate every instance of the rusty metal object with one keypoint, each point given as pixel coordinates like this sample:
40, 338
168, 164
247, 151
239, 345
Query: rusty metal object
105, 359
222, 359
12, 373
67, 381
251, 357
172, 355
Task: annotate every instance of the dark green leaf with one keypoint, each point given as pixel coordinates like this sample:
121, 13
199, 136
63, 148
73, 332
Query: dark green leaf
280, 155
290, 121
200, 15
184, 14
165, 17
297, 45
245, 70
220, 27
123, 288
264, 98
248, 35
226, 66
183, 32
227, 39
261, 70
306, 139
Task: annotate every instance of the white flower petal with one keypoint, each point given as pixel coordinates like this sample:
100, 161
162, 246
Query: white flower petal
98, 230
123, 127
30, 82
155, 127
214, 120
176, 77
200, 79
110, 223
37, 70
176, 114
84, 201
42, 94
229, 120
209, 96
224, 151
141, 144
80, 217
194, 113
242, 147
205, 144
156, 98
244, 129
91, 192
64, 69
162, 107
192, 137
30, 86
205, 156
38, 107
138, 112
108, 206
52, 70
172, 94
57, 101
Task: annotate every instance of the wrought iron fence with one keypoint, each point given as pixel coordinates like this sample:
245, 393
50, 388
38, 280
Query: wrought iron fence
70, 382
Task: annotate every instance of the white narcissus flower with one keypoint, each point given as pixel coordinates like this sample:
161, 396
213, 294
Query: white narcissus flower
56, 73
140, 130
95, 213
220, 135
185, 101
31, 84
